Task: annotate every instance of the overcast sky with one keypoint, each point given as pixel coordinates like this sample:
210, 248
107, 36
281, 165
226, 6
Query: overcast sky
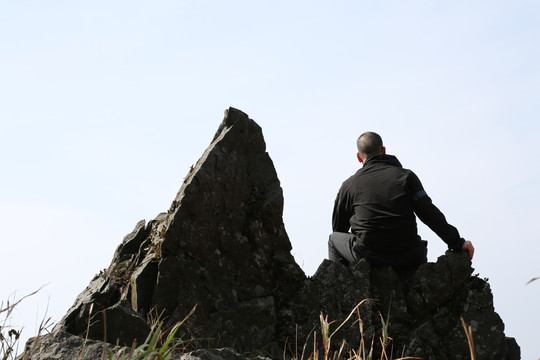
104, 105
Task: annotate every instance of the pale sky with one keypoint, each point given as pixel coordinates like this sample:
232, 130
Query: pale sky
104, 105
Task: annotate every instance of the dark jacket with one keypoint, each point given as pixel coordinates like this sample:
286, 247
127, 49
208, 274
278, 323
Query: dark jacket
379, 204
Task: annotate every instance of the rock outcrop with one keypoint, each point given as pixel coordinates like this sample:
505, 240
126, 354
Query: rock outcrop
222, 246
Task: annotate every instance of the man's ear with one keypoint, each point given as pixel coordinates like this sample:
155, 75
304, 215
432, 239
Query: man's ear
383, 150
359, 158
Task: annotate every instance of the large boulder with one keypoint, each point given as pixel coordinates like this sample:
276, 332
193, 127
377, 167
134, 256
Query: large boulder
222, 247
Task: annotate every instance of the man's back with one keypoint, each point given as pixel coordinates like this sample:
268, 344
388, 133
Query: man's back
377, 202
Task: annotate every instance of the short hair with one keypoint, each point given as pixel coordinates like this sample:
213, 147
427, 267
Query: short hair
369, 144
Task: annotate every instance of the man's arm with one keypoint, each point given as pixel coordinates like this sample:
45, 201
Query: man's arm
430, 215
342, 212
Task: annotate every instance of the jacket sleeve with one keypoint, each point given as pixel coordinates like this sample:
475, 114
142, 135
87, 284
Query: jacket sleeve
342, 211
430, 215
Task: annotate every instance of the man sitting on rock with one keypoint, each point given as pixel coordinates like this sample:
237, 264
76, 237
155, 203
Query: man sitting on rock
379, 204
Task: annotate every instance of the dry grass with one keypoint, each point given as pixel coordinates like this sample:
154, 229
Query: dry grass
468, 333
9, 335
162, 344
366, 349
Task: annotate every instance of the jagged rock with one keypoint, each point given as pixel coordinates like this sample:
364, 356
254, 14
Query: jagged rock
222, 246
62, 345
216, 354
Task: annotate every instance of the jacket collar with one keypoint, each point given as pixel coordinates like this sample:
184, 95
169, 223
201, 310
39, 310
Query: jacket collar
382, 159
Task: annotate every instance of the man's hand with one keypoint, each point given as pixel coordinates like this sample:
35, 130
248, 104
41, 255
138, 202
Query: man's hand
467, 245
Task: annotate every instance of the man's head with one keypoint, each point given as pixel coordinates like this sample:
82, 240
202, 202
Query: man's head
369, 144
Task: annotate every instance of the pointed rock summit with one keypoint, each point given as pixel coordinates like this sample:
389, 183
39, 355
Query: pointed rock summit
222, 248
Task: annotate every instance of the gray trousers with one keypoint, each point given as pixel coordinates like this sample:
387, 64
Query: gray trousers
340, 248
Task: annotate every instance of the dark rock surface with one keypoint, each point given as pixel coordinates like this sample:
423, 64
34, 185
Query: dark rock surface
222, 246
62, 345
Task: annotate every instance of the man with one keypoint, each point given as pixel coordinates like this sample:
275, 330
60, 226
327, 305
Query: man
379, 204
